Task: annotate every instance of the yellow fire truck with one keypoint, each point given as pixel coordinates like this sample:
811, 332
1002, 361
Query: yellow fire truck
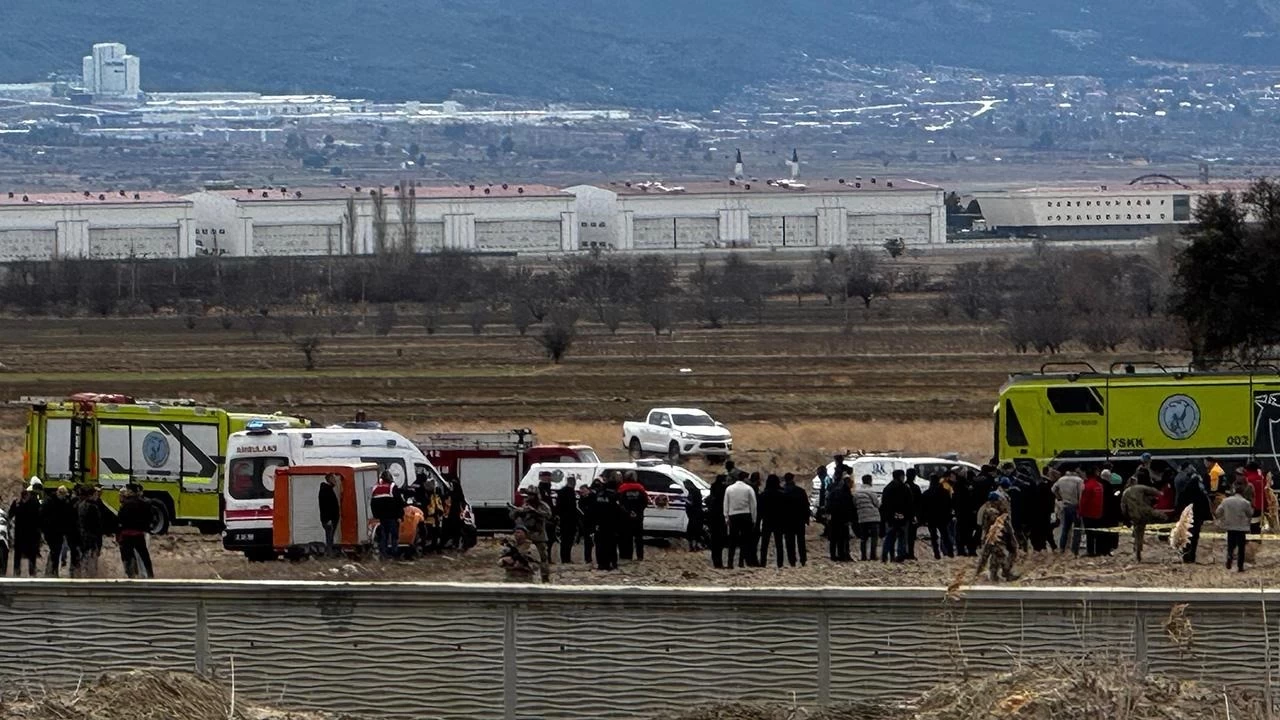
1077, 413
174, 449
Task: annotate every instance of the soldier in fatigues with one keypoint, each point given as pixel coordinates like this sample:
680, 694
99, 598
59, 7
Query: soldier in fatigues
534, 516
999, 544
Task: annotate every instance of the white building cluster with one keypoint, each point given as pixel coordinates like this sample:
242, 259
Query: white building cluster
110, 72
484, 218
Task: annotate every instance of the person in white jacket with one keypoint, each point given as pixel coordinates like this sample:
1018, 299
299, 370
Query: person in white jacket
740, 514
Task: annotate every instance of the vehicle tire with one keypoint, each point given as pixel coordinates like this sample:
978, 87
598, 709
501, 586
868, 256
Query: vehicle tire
210, 527
260, 555
673, 452
4, 560
634, 447
160, 518
468, 537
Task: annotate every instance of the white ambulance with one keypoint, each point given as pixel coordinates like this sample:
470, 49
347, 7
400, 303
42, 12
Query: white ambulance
253, 456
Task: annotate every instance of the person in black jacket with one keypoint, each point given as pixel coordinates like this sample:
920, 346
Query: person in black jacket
135, 524
840, 513
1190, 491
795, 519
330, 511
89, 530
24, 521
567, 512
58, 523
693, 513
896, 509
715, 518
916, 520
586, 511
771, 508
606, 514
937, 514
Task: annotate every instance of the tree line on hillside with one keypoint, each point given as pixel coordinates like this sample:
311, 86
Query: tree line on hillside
1211, 294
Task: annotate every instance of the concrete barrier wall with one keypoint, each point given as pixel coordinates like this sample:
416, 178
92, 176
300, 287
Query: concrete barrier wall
495, 651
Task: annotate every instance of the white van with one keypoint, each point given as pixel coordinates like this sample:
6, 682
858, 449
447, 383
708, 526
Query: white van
664, 483
882, 467
248, 493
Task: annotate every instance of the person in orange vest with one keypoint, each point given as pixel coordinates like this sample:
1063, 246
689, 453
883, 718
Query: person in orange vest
387, 506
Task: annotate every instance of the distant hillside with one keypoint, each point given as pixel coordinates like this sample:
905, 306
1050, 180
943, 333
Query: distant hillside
659, 53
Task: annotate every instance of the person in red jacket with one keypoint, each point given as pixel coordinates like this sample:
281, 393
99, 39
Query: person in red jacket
1253, 476
1091, 510
634, 501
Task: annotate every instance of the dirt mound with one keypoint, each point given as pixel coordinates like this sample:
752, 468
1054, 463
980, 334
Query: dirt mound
1040, 691
139, 695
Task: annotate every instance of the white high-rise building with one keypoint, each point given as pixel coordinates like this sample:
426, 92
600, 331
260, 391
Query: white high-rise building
111, 72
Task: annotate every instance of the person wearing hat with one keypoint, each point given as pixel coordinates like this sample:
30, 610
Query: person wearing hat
24, 524
535, 515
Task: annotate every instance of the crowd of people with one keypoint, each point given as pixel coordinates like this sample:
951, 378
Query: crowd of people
69, 528
994, 514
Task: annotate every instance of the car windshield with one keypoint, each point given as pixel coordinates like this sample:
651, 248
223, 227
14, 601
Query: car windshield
588, 456
693, 420
680, 474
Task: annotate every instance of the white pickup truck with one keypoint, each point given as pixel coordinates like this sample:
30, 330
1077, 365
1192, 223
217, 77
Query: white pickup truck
676, 433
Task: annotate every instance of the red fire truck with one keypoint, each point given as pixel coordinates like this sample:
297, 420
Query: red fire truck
491, 464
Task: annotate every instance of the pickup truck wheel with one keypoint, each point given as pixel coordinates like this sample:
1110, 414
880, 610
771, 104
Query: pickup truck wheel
673, 452
635, 450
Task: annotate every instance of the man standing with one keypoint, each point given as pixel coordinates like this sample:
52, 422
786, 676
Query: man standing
1189, 490
605, 515
740, 510
635, 500
1067, 489
1091, 507
24, 520
866, 503
1139, 504
1234, 515
58, 521
535, 516
896, 510
999, 547
89, 530
548, 496
135, 522
386, 505
841, 512
795, 519
567, 511
327, 498
519, 558
693, 514
915, 519
937, 514
716, 521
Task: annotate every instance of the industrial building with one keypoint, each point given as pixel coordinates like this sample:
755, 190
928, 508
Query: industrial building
485, 218
103, 225
750, 213
110, 72
347, 220
1149, 206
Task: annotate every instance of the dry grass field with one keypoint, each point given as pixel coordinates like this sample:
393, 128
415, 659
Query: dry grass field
808, 380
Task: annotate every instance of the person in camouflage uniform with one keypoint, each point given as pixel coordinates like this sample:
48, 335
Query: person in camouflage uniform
999, 543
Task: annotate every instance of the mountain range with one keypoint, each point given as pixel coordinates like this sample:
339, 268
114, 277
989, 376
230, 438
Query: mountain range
643, 53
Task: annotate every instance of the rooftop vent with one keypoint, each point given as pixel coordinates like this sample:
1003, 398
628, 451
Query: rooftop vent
520, 190
86, 193
264, 193
873, 181
732, 183
486, 191
357, 188
26, 199
857, 185
298, 194
137, 196
249, 190
397, 188
123, 194
10, 195
101, 196
628, 183
890, 183
471, 187
747, 186
504, 186
841, 181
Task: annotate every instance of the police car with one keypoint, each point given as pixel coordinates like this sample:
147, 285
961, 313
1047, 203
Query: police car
664, 483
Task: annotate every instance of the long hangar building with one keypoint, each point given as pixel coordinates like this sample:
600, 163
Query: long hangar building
485, 218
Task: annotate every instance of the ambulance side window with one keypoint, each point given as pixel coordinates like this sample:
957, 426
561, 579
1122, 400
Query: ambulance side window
394, 465
253, 478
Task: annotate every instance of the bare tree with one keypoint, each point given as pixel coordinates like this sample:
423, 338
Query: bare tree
380, 244
477, 316
408, 207
309, 346
708, 299
655, 292
559, 332
385, 321
350, 219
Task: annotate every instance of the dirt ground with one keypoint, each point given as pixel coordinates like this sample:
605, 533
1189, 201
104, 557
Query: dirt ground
187, 555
